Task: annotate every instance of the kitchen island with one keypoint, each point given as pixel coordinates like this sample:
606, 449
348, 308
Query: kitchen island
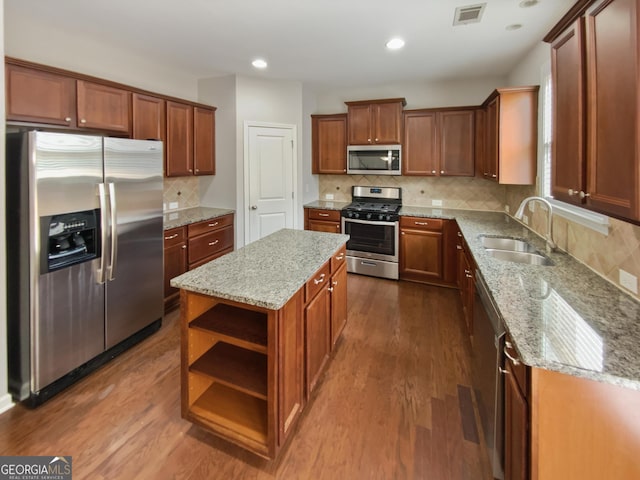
257, 329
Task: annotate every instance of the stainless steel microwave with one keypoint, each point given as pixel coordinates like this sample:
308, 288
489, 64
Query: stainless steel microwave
374, 159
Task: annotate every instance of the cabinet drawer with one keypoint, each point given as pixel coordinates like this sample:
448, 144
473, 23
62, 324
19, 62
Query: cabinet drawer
338, 259
206, 245
316, 214
422, 223
210, 225
315, 283
175, 236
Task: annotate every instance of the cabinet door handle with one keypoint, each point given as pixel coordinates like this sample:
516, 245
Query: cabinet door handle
572, 192
369, 140
441, 172
340, 257
460, 234
584, 195
211, 244
469, 276
67, 119
508, 345
459, 247
494, 176
335, 284
323, 214
213, 224
171, 236
503, 371
184, 247
421, 223
376, 140
433, 172
330, 289
83, 121
319, 280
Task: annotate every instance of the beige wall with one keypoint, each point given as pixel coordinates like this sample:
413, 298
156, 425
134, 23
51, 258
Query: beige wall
605, 254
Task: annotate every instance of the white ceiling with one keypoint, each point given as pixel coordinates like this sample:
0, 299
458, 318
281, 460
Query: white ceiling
323, 42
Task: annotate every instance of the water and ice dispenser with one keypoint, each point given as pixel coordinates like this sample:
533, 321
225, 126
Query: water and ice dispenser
68, 239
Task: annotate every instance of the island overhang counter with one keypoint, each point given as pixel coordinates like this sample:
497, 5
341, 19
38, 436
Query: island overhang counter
257, 329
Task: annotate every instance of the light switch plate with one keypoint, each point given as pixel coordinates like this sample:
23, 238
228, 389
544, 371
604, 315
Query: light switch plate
506, 208
329, 196
525, 219
628, 281
436, 203
173, 205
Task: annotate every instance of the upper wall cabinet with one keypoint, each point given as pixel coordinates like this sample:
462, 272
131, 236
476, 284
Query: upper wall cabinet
44, 97
329, 144
511, 128
375, 121
596, 111
438, 142
38, 94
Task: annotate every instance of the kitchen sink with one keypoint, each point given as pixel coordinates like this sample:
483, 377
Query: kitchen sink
506, 243
532, 258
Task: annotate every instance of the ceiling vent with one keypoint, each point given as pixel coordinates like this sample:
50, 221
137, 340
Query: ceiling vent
469, 14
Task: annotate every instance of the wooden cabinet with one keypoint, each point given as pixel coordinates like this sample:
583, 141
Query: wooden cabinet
375, 121
179, 158
480, 143
40, 96
321, 220
149, 117
329, 144
426, 251
439, 142
511, 135
204, 141
102, 107
210, 239
568, 156
516, 416
317, 319
190, 140
229, 362
466, 280
175, 261
613, 114
338, 291
186, 248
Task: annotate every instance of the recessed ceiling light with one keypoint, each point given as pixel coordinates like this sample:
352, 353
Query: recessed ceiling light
259, 63
528, 3
395, 44
513, 26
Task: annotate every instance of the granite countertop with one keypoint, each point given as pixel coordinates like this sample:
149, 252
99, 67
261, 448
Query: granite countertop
327, 205
179, 218
563, 317
267, 272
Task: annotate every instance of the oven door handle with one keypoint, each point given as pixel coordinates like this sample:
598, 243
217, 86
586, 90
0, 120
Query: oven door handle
369, 222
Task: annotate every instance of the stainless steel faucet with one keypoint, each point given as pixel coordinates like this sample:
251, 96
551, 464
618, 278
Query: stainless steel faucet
549, 237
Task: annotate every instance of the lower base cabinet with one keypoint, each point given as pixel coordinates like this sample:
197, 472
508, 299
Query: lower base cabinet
320, 220
247, 371
516, 417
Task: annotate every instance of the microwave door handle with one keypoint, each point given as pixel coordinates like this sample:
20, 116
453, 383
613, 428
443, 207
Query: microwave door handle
114, 232
103, 233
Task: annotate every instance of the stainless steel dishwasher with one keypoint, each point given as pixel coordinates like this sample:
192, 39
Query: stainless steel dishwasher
488, 382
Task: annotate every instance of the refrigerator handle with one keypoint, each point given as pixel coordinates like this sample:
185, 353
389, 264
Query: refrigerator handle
103, 233
114, 233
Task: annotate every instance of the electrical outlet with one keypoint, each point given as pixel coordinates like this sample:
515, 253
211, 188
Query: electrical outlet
506, 208
173, 205
164, 207
436, 203
525, 219
532, 207
329, 196
628, 281
436, 211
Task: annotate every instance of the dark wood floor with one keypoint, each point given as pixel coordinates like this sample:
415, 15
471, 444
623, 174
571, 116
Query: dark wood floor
395, 403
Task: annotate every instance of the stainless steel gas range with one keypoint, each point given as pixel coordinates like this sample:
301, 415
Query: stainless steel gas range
371, 220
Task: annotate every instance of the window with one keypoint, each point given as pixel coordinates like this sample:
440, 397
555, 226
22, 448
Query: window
595, 221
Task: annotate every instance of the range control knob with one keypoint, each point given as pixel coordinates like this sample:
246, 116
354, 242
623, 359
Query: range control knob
388, 218
356, 215
368, 216
380, 216
350, 214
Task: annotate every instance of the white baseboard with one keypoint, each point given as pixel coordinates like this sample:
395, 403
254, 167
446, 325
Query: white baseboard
5, 403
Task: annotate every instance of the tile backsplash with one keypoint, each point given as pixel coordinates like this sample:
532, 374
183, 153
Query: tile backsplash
454, 192
185, 191
604, 254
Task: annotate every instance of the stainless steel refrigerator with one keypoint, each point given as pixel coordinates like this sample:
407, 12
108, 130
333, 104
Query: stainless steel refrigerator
84, 249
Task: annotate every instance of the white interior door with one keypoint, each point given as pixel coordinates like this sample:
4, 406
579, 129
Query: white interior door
269, 181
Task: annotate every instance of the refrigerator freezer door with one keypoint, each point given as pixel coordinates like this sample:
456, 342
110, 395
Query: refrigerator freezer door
67, 306
134, 292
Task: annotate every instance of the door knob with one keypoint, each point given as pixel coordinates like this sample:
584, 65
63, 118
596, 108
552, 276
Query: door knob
254, 207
